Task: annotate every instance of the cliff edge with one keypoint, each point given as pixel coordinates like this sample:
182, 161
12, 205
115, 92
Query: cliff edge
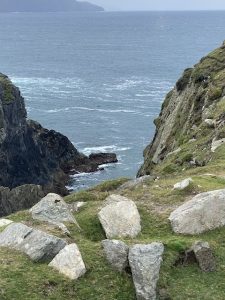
191, 126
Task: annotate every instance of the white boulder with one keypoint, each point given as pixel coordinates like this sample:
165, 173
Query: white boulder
120, 217
69, 262
204, 212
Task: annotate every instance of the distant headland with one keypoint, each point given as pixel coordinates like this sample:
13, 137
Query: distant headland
47, 6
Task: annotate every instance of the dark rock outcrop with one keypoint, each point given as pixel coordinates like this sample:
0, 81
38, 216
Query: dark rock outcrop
103, 158
47, 6
21, 197
191, 121
31, 154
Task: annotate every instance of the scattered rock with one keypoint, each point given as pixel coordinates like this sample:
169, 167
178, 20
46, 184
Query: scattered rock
216, 144
136, 182
183, 184
5, 222
200, 253
210, 123
204, 256
204, 212
76, 206
120, 217
53, 209
38, 245
145, 261
69, 262
116, 254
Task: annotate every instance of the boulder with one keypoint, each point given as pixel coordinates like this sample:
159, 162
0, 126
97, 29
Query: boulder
204, 212
204, 256
69, 262
5, 222
53, 209
38, 245
116, 254
183, 184
145, 261
120, 217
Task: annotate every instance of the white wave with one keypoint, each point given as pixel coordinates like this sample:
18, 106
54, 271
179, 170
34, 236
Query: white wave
104, 149
56, 110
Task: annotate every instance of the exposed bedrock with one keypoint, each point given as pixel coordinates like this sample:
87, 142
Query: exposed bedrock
31, 154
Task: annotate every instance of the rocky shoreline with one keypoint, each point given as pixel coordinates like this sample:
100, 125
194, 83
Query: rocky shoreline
33, 155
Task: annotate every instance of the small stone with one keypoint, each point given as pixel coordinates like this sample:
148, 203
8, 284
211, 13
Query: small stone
210, 123
69, 262
136, 182
183, 184
116, 254
76, 206
216, 144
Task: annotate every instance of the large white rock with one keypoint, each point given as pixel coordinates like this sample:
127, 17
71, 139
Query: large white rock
120, 217
204, 212
145, 262
53, 209
183, 184
5, 222
116, 254
69, 262
38, 245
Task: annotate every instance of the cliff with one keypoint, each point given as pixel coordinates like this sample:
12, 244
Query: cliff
191, 124
31, 154
47, 6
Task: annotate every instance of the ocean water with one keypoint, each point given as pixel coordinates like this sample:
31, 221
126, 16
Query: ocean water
100, 78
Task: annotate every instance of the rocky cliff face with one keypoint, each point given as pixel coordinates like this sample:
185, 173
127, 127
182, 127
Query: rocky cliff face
191, 124
31, 154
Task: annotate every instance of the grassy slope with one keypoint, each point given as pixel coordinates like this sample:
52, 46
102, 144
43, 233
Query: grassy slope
22, 279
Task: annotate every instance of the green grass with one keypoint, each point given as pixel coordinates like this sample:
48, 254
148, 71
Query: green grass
21, 279
8, 89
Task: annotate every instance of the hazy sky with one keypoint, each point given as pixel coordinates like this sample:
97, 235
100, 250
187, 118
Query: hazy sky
161, 4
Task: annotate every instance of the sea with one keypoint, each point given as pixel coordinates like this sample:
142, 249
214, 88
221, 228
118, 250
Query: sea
100, 78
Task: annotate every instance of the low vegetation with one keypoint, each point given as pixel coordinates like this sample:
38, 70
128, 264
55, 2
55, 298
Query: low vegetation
22, 279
